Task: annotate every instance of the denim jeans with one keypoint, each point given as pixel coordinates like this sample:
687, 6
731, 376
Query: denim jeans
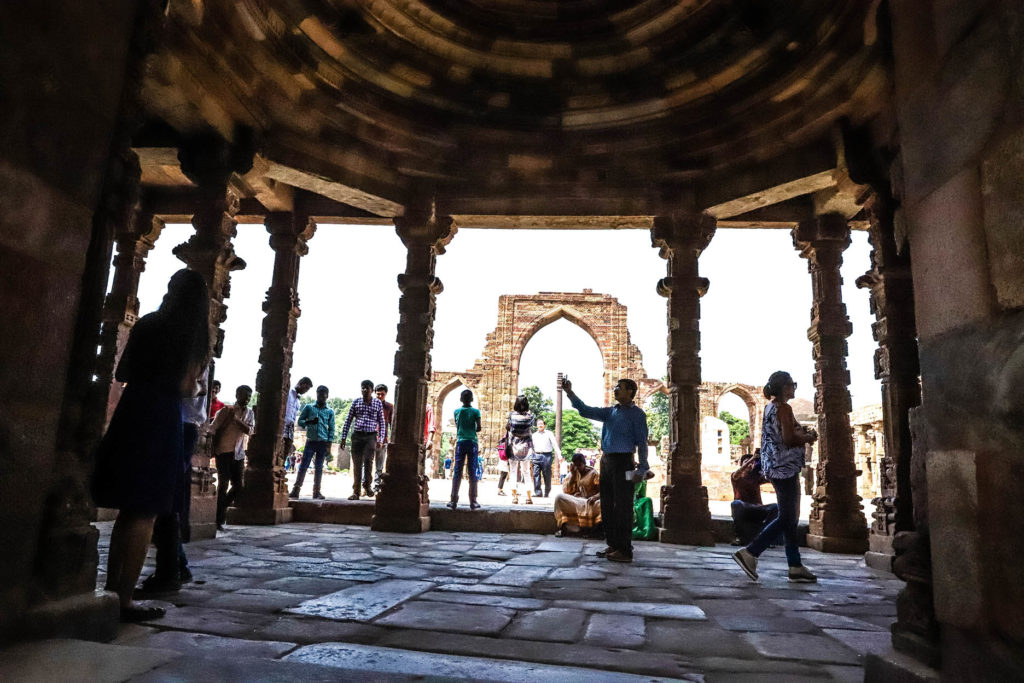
617, 501
466, 453
749, 518
542, 470
364, 444
313, 449
788, 493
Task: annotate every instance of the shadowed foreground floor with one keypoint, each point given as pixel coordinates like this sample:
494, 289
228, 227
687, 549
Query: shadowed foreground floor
319, 602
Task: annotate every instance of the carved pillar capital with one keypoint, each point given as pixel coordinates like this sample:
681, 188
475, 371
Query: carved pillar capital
678, 231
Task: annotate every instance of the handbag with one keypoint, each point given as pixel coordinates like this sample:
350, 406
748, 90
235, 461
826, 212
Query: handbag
502, 455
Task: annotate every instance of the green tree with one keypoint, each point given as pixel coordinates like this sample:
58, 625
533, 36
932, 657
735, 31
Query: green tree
739, 429
657, 417
577, 432
446, 445
539, 403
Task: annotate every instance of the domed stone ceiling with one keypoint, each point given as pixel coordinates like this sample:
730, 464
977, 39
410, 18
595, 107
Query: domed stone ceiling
532, 106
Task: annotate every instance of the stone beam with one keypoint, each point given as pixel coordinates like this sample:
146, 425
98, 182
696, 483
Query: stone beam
332, 189
774, 195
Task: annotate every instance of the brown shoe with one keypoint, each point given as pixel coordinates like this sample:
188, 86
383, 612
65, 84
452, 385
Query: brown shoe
619, 556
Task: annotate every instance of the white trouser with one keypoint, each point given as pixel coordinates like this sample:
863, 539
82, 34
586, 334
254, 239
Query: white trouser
514, 467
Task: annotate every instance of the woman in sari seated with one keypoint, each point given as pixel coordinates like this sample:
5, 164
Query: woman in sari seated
578, 507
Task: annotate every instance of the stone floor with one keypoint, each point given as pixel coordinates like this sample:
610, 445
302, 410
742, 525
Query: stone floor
319, 602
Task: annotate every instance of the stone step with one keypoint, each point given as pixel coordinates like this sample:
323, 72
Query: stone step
503, 520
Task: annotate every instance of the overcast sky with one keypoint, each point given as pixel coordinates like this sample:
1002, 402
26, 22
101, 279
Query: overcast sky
754, 317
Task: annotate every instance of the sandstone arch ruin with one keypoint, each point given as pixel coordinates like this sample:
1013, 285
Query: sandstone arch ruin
494, 377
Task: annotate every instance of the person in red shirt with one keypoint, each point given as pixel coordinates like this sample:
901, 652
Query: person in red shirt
215, 403
749, 514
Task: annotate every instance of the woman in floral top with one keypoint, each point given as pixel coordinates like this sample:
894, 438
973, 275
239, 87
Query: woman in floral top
782, 458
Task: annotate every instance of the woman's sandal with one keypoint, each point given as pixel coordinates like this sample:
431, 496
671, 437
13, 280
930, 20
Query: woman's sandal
136, 614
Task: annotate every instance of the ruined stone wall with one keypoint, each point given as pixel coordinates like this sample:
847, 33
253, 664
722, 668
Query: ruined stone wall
494, 378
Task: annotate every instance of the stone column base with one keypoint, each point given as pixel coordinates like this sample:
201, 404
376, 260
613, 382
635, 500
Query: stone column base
880, 553
837, 544
260, 517
687, 536
893, 667
404, 525
88, 616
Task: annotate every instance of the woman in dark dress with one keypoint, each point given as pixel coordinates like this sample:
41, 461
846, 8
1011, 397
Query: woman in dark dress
139, 462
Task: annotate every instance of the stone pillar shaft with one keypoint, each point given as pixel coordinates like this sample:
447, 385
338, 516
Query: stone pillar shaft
210, 253
264, 497
121, 307
403, 503
685, 517
837, 521
898, 368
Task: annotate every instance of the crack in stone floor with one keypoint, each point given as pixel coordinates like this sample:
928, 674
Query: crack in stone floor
325, 602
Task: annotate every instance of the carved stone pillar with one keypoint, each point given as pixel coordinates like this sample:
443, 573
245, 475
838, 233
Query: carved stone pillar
685, 517
898, 368
209, 162
121, 307
403, 503
837, 522
264, 498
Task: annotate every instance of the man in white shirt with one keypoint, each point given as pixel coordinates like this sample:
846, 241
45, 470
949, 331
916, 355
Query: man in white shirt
545, 449
291, 412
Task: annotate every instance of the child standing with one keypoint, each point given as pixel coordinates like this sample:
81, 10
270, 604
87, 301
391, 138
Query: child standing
467, 424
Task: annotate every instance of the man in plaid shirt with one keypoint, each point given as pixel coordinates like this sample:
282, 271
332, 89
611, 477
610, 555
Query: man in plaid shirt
370, 430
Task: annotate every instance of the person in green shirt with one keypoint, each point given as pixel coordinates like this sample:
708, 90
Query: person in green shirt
467, 424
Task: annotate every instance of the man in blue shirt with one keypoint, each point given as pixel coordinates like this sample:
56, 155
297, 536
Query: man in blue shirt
318, 421
624, 432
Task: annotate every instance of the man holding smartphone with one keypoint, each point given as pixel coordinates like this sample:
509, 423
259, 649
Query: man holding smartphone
318, 421
624, 432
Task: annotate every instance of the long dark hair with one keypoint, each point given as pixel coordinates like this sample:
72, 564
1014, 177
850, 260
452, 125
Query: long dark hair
522, 404
186, 308
778, 379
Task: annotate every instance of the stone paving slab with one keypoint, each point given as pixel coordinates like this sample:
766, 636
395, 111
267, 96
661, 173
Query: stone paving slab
381, 660
596, 658
776, 624
646, 609
363, 603
494, 600
675, 611
616, 630
78, 660
183, 641
801, 646
219, 622
444, 616
555, 624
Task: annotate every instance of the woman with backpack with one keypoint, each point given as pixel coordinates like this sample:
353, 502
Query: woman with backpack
519, 446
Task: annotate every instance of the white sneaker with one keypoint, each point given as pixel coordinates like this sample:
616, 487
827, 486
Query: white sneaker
747, 562
801, 574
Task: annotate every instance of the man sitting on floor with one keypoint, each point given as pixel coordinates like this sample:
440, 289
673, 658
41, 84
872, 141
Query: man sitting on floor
578, 507
749, 513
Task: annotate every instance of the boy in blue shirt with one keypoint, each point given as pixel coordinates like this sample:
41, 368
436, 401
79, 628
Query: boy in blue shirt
467, 424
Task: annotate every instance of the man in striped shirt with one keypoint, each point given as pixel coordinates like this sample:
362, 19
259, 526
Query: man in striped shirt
367, 412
